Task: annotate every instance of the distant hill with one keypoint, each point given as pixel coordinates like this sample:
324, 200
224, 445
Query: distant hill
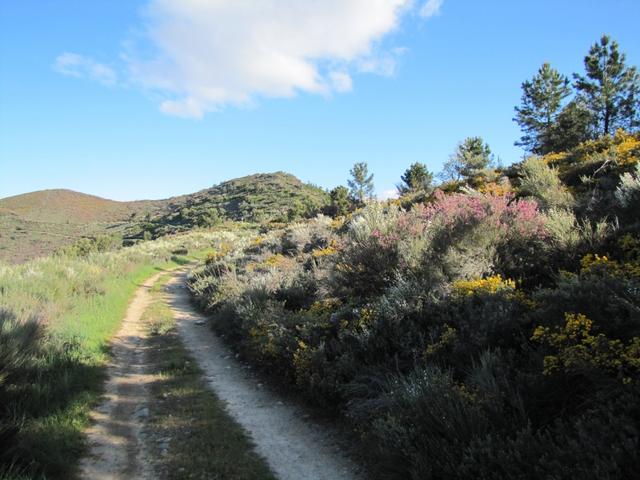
67, 206
38, 223
259, 198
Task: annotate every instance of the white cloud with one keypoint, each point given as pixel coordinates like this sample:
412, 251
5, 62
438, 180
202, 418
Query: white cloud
197, 56
431, 8
75, 65
388, 194
208, 54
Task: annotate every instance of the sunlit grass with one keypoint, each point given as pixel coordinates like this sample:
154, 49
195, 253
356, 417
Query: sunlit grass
78, 304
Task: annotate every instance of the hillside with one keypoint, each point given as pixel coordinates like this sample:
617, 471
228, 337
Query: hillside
67, 206
38, 223
259, 198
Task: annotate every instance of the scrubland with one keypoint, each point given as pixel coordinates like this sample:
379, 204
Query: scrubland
490, 329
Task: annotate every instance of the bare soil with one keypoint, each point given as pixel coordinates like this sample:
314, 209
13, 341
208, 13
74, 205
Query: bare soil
117, 448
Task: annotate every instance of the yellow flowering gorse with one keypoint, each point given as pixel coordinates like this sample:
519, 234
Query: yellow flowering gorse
490, 285
577, 348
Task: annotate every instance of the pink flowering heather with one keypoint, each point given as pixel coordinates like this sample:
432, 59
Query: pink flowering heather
407, 225
511, 216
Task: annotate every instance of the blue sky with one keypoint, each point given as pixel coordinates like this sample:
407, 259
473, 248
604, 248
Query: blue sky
148, 99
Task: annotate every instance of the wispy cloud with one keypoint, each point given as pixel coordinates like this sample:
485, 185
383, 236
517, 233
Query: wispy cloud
341, 81
431, 8
200, 56
75, 65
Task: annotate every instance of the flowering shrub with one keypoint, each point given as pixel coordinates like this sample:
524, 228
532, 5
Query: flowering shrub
483, 285
555, 158
576, 349
496, 189
327, 251
379, 241
475, 235
449, 330
591, 263
623, 146
627, 147
508, 216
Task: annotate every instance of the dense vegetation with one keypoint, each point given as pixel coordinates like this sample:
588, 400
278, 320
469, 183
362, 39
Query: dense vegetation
492, 335
489, 328
262, 198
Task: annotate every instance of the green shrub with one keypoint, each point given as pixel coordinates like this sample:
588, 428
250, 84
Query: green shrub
599, 444
628, 192
297, 292
422, 423
435, 329
86, 246
602, 292
540, 181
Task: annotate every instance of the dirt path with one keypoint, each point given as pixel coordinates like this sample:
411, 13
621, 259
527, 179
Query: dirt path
292, 444
117, 448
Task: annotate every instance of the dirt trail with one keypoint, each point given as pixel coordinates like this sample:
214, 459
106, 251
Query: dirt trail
116, 446
292, 444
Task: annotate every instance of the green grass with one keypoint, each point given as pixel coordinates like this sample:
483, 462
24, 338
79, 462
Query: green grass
78, 305
68, 380
205, 441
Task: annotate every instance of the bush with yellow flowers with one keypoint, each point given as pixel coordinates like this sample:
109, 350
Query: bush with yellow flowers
464, 334
486, 285
577, 349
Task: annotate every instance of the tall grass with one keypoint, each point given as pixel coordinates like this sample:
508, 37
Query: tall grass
57, 316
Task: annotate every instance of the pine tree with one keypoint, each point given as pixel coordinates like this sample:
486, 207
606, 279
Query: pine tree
361, 183
340, 202
471, 157
415, 179
610, 88
542, 99
574, 125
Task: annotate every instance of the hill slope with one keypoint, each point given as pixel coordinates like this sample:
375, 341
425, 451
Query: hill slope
259, 198
67, 206
38, 223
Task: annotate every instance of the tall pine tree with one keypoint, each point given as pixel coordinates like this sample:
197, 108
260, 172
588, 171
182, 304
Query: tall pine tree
361, 183
542, 99
610, 88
